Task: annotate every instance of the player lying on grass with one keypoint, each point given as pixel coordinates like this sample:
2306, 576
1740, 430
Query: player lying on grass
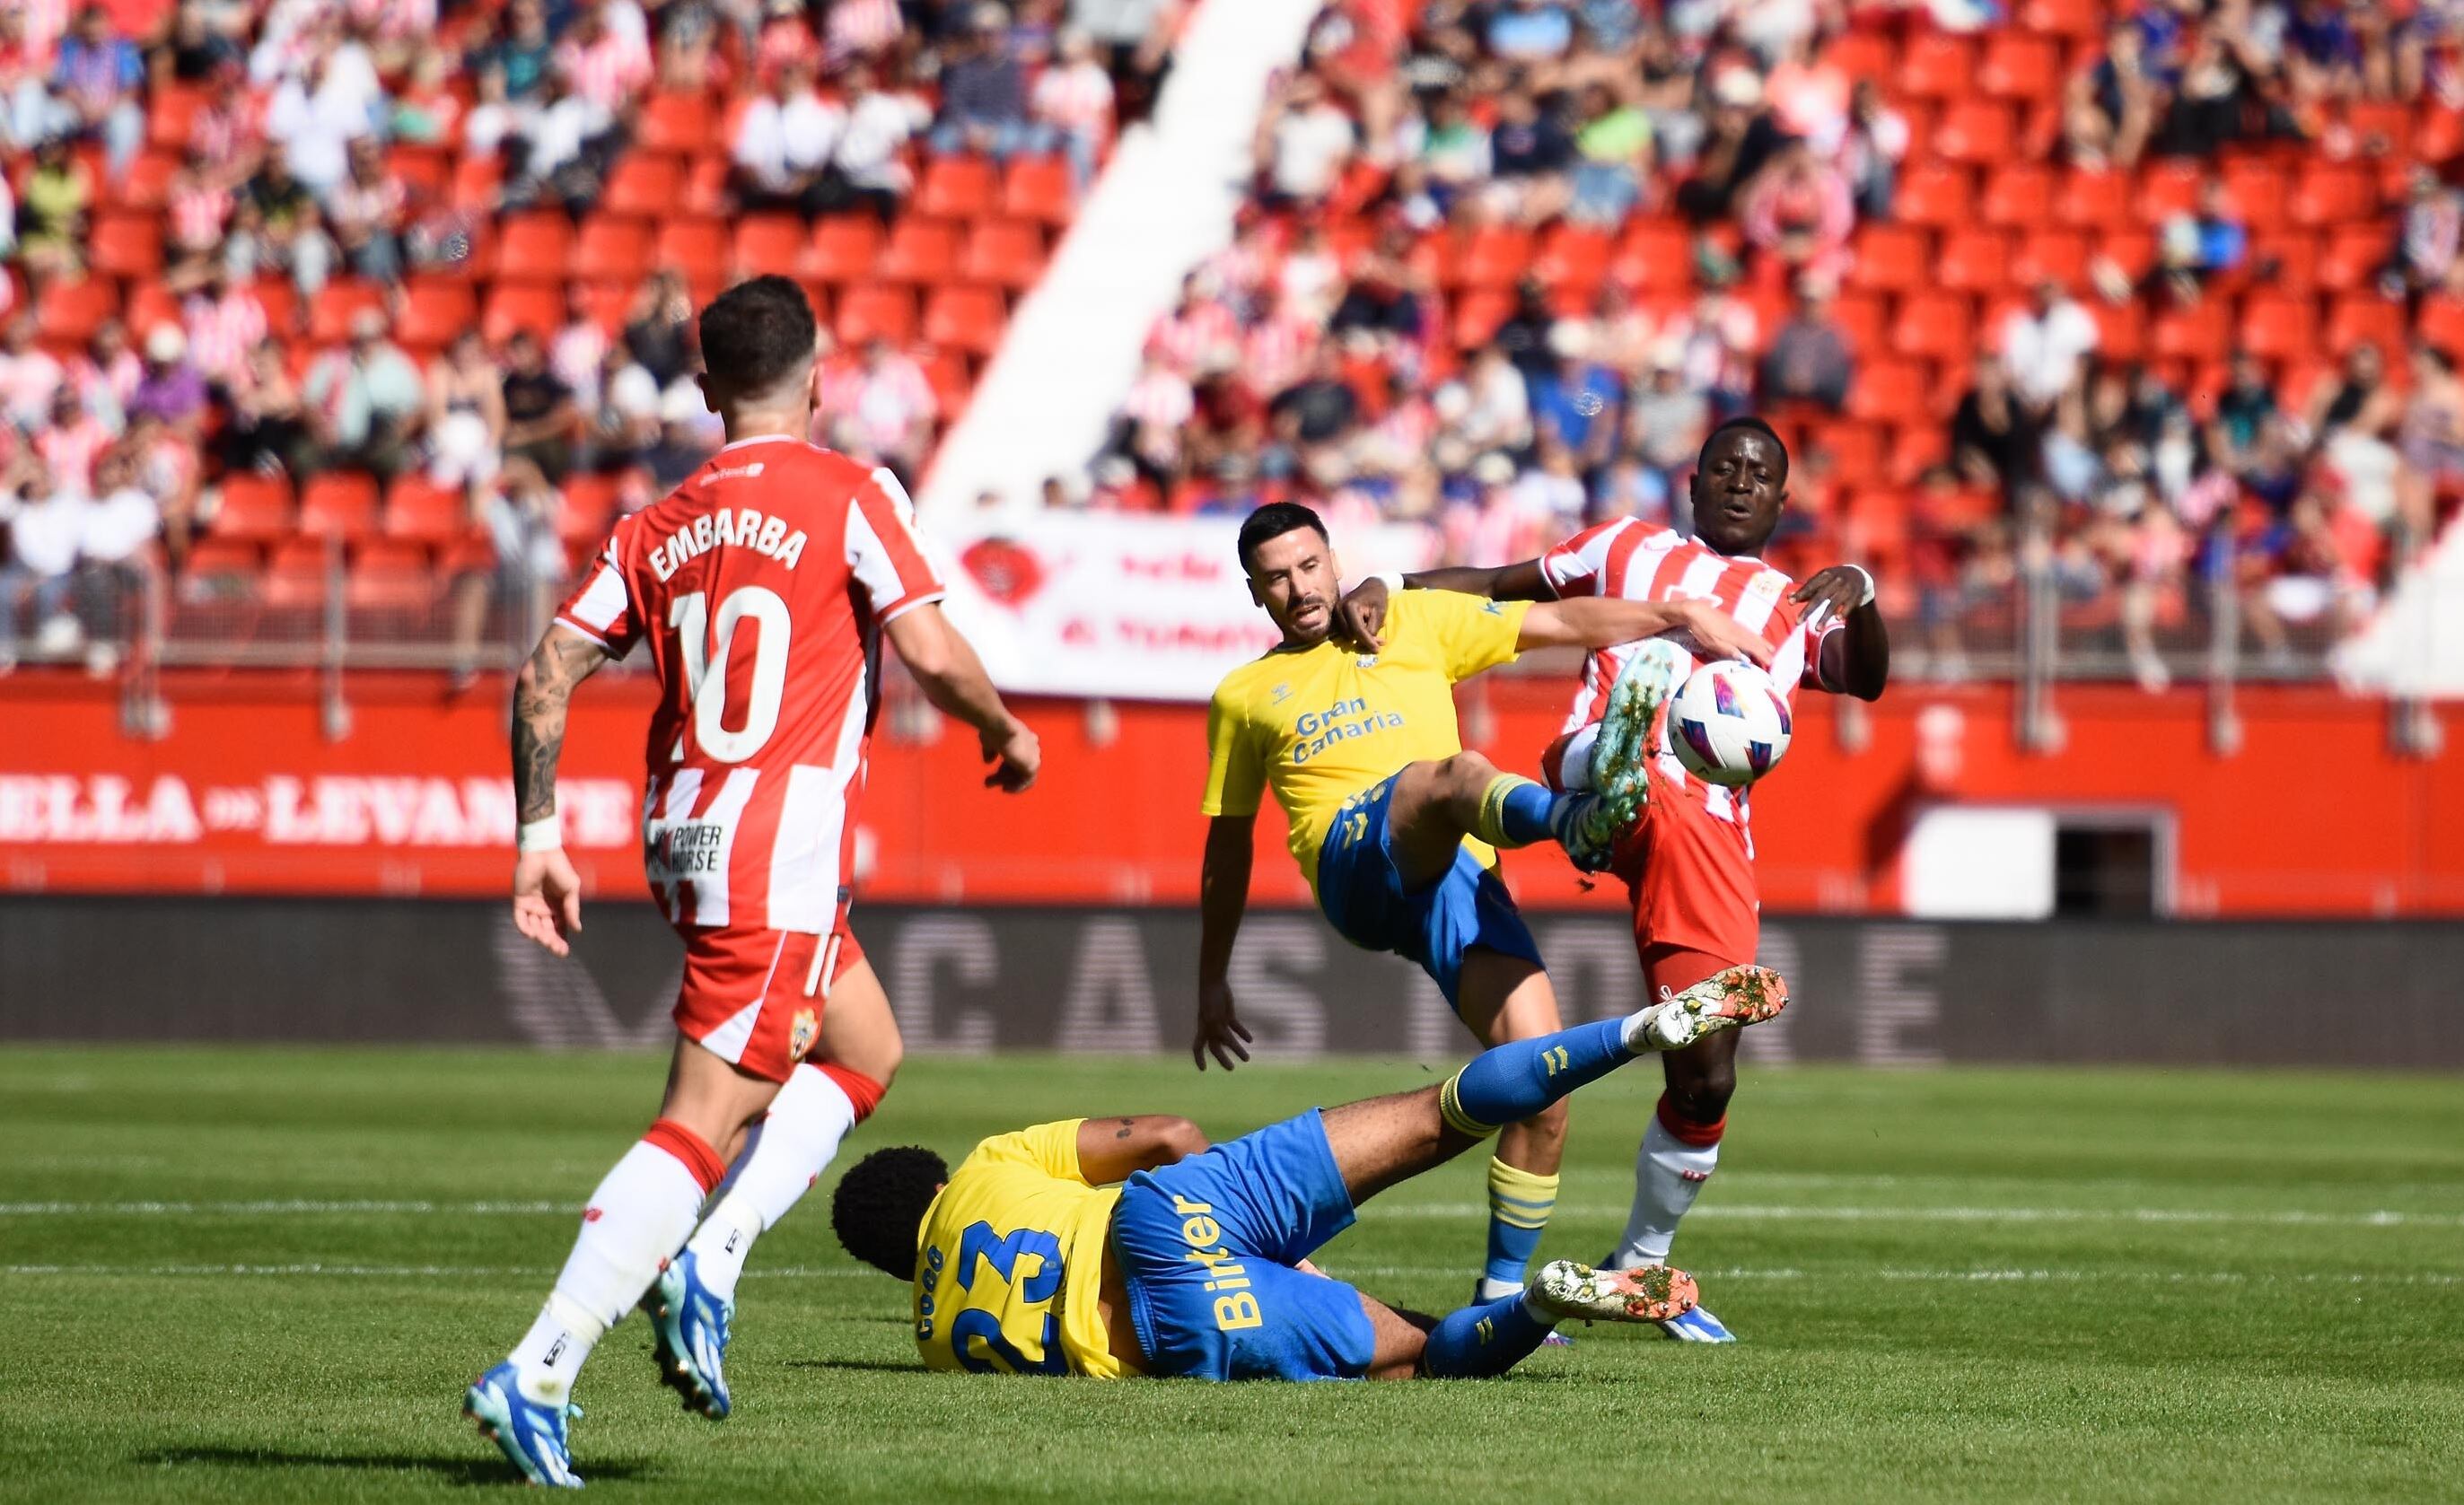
764, 585
1687, 861
1126, 1246
1393, 823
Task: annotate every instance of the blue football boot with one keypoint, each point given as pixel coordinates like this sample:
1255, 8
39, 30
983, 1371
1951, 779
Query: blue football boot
531, 1435
691, 1322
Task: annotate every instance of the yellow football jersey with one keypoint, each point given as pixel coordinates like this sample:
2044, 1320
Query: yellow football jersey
1323, 723
1011, 1269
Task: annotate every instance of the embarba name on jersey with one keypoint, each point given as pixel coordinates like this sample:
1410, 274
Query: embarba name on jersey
737, 527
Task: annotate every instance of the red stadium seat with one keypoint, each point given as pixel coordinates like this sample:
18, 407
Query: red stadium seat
2380, 128
2366, 319
1655, 255
1856, 451
1038, 188
695, 247
1496, 256
535, 245
2441, 322
337, 303
520, 305
255, 508
2060, 254
2017, 66
2131, 250
434, 310
172, 111
585, 507
2121, 330
612, 249
298, 575
1937, 66
2438, 136
340, 503
149, 182
2202, 332
872, 312
1977, 131
646, 185
845, 250
427, 172
2278, 326
1935, 325
1934, 193
2286, 259
2018, 196
2355, 255
1888, 391
1573, 255
70, 312
1003, 253
2333, 193
705, 190
1864, 320
2257, 190
945, 372
920, 251
2079, 20
1476, 315
1915, 450
125, 245
150, 303
965, 318
1861, 56
2169, 187
478, 182
389, 577
681, 123
218, 559
2093, 200
957, 187
769, 244
1974, 261
1891, 258
420, 511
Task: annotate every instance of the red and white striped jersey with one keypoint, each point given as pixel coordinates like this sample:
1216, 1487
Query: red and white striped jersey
1630, 559
761, 584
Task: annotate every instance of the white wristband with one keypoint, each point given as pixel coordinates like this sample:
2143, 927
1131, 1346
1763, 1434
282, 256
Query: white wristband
1392, 579
547, 834
1867, 575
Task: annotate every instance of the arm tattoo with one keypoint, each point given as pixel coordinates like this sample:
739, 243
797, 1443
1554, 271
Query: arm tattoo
1127, 1125
539, 698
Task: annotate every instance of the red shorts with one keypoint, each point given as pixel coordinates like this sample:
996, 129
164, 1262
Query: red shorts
1692, 882
754, 997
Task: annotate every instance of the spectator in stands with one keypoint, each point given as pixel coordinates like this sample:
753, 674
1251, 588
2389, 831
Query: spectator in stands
371, 209
116, 538
1870, 155
1808, 360
522, 56
25, 102
94, 84
200, 210
267, 432
169, 469
624, 422
1154, 416
2244, 408
1532, 158
2196, 248
660, 327
1613, 154
540, 421
367, 401
1199, 331
1134, 38
561, 151
1496, 404
871, 172
106, 376
682, 445
466, 414
2432, 438
1669, 420
2045, 346
2353, 416
315, 117
1318, 409
224, 322
517, 512
894, 410
2428, 232
1073, 103
2111, 105
1798, 212
1739, 138
71, 442
1529, 32
1381, 301
983, 91
1994, 439
428, 111
1578, 404
29, 375
609, 64
171, 391
276, 225
1549, 497
1305, 143
46, 527
51, 213
783, 145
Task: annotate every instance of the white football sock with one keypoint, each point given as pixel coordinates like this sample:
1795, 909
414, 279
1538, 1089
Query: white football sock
635, 1219
1575, 764
784, 1155
1668, 1174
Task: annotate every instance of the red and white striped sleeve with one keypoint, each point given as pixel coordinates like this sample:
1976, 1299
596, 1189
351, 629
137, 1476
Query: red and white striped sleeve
601, 608
883, 550
1579, 566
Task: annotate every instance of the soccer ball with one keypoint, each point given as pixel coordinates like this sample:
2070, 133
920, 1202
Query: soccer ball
1729, 724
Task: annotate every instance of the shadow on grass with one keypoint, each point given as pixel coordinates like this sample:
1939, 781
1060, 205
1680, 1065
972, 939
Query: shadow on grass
459, 1468
858, 1365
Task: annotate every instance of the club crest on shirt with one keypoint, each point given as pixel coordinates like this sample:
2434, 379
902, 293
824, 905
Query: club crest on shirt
1282, 692
1366, 661
801, 1031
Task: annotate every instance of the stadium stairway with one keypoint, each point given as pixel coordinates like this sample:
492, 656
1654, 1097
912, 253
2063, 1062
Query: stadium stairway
2414, 645
1162, 206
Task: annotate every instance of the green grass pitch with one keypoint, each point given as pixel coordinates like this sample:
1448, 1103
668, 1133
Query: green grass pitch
266, 1275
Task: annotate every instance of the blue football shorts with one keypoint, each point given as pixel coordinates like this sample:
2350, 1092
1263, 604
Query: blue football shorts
1362, 894
1206, 1247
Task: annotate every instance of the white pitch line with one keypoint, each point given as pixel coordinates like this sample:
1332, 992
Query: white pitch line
1717, 1210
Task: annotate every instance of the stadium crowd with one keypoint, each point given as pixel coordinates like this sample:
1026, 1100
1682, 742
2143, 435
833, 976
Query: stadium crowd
416, 277
2156, 295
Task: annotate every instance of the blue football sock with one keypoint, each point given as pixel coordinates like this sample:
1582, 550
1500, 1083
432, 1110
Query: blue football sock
1482, 1340
1514, 812
1518, 1078
1519, 1204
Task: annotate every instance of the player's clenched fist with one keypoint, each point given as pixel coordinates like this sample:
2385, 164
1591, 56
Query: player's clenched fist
547, 898
1219, 1032
1015, 754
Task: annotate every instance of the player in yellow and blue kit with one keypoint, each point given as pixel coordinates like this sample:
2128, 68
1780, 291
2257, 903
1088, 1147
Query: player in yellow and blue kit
1127, 1246
1393, 823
